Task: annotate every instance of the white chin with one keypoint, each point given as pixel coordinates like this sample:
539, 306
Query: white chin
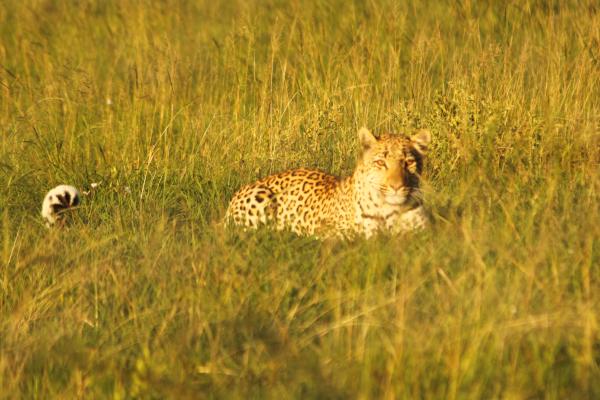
395, 200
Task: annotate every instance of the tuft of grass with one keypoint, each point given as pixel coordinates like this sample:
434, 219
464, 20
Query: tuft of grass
173, 105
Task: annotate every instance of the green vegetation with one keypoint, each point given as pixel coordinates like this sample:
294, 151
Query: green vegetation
172, 105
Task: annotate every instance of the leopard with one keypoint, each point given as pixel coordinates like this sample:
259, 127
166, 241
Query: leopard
58, 202
381, 195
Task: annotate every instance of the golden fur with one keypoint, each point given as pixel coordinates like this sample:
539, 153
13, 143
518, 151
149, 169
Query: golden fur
381, 195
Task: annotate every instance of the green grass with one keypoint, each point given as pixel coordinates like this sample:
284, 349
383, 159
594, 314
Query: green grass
172, 105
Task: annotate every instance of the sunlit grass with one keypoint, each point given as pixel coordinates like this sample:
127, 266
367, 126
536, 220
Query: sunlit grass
172, 105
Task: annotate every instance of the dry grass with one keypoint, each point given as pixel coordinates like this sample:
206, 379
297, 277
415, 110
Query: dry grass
173, 104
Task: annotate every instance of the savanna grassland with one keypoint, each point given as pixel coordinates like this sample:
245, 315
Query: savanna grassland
172, 105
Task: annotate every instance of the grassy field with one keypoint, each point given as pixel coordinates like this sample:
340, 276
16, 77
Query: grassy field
172, 105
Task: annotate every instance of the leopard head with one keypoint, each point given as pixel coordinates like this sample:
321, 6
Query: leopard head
390, 166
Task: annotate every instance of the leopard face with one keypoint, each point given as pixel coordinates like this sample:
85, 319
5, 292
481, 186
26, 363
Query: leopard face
390, 167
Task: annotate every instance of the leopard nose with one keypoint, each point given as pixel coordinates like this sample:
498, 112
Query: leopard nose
396, 186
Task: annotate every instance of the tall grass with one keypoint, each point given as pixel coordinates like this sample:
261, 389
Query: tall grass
172, 105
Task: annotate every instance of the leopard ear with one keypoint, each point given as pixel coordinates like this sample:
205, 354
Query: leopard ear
421, 140
367, 139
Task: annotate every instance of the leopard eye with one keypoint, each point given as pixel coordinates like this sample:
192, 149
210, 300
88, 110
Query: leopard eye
411, 166
380, 163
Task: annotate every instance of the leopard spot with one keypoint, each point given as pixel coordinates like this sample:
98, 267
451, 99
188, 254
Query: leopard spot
62, 200
306, 186
57, 208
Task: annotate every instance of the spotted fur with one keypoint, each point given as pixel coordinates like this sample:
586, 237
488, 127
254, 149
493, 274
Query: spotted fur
381, 195
57, 202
